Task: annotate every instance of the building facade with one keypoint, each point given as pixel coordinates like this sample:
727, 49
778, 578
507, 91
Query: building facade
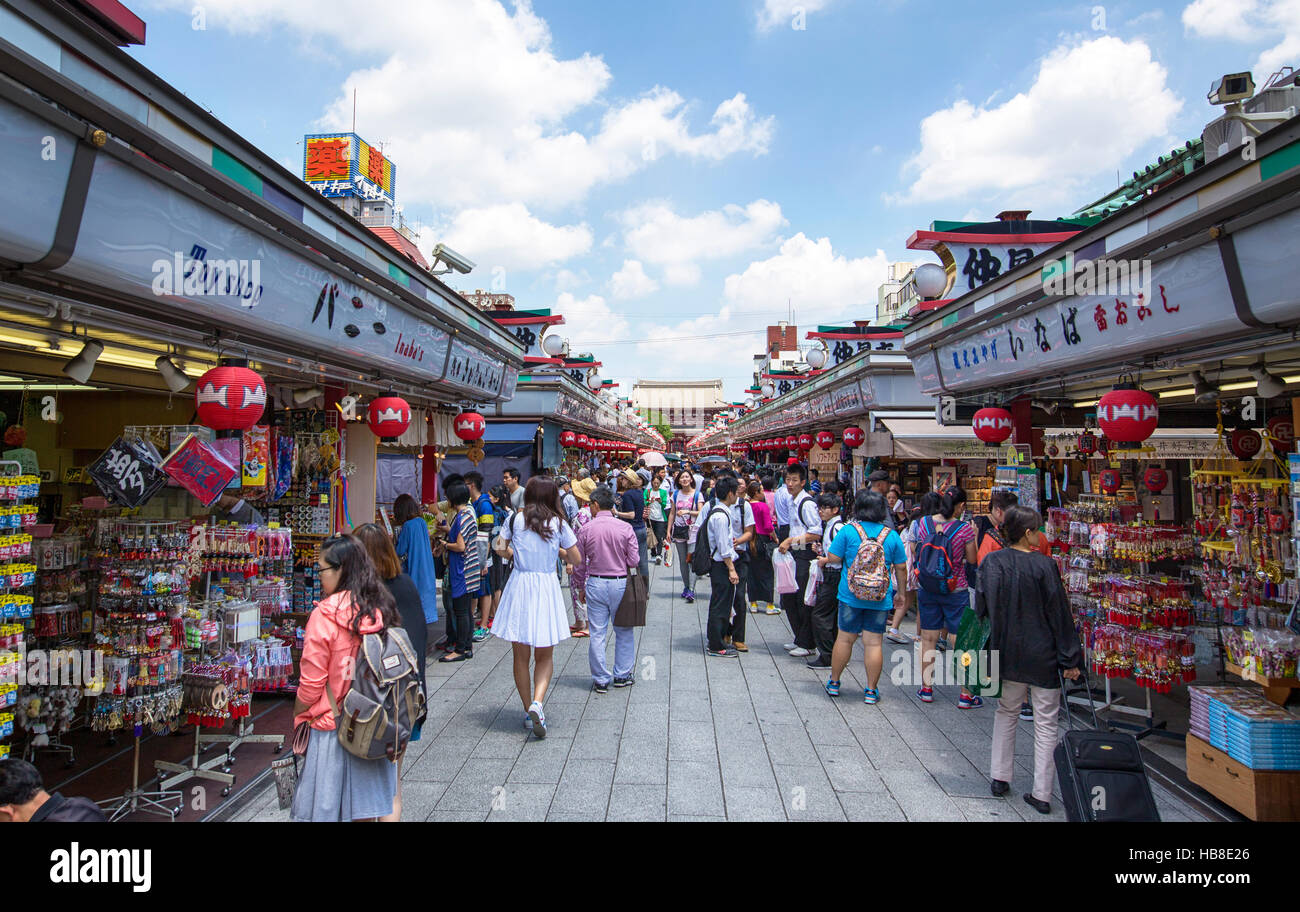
686, 405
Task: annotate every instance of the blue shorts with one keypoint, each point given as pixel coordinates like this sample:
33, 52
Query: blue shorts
942, 611
859, 620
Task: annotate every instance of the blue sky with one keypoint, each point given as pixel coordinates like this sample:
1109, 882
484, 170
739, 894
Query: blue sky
681, 170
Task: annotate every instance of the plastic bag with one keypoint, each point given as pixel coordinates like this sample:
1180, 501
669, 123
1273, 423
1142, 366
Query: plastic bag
783, 575
814, 579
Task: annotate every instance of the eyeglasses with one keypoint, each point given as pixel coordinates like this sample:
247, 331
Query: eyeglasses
328, 566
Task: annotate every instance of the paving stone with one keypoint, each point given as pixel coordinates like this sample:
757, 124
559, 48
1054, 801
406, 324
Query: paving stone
637, 803
694, 787
754, 804
522, 802
848, 768
920, 796
870, 807
956, 774
539, 762
642, 762
806, 793
442, 761
692, 741
584, 788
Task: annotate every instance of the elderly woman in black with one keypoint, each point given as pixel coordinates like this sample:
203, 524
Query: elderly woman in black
1033, 635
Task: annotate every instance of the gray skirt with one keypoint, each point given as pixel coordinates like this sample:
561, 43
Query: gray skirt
336, 786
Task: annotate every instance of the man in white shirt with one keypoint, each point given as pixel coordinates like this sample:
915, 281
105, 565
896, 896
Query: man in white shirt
805, 530
742, 530
781, 507
723, 578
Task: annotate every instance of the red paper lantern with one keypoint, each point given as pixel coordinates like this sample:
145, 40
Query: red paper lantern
568, 439
470, 426
805, 441
1110, 481
583, 443
230, 398
791, 442
1154, 479
825, 439
1087, 443
1281, 429
1245, 443
853, 436
993, 425
1128, 415
390, 416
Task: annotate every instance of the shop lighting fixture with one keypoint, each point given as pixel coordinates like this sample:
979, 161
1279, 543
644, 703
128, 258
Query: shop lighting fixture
172, 375
1202, 388
83, 363
1088, 404
1268, 384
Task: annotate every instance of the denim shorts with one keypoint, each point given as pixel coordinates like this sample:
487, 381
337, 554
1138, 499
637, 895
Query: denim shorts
859, 620
942, 611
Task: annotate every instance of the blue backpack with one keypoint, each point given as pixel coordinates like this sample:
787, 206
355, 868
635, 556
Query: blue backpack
936, 570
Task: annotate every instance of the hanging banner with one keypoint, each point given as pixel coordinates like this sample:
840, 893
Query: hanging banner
127, 472
257, 454
199, 469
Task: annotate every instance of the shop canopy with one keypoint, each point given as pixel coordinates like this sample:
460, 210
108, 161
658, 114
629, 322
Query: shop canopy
923, 438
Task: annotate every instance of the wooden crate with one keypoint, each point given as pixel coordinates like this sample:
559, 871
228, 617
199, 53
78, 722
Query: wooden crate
1264, 795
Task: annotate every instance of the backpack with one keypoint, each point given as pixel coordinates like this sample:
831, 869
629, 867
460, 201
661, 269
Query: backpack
702, 558
386, 700
936, 571
868, 575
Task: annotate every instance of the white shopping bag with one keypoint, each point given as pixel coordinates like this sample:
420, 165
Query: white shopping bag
783, 576
810, 590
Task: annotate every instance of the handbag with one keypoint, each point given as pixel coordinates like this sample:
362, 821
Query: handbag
632, 609
285, 769
651, 540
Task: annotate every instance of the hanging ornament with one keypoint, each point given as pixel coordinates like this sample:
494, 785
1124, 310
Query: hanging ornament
389, 417
1245, 443
475, 452
583, 443
1053, 450
805, 441
1128, 415
853, 436
568, 439
825, 439
230, 398
1110, 481
791, 442
1103, 446
1155, 479
1087, 444
1281, 429
470, 426
993, 425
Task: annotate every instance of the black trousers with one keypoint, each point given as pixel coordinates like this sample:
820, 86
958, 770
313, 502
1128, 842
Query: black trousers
736, 628
799, 614
826, 613
459, 627
760, 570
721, 598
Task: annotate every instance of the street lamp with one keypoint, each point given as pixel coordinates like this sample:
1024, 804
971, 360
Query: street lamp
931, 280
816, 357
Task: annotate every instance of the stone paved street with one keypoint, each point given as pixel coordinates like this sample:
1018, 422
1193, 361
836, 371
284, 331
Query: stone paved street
753, 738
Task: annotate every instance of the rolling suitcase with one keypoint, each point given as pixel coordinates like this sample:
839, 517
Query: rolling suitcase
1101, 774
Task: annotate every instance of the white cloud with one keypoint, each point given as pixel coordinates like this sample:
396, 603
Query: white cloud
1254, 21
1154, 15
472, 100
655, 233
1043, 146
821, 285
781, 13
631, 282
568, 280
590, 320
511, 237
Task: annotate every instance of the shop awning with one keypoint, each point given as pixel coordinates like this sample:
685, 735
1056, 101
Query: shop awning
925, 438
510, 432
1169, 443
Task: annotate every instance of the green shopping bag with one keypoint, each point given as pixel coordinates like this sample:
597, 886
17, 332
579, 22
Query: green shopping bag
971, 660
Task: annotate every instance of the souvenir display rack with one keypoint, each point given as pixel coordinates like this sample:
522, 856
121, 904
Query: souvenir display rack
18, 493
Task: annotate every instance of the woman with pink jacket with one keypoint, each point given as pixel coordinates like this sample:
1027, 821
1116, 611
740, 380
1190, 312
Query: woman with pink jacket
335, 785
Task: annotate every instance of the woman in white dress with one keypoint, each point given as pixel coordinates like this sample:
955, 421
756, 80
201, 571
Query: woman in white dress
532, 615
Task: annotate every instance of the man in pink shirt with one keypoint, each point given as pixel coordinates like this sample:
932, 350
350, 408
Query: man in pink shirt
609, 549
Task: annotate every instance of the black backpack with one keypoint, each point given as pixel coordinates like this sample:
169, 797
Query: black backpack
702, 559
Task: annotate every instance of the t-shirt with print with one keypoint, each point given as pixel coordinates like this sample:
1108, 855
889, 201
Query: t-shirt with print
956, 545
845, 547
460, 525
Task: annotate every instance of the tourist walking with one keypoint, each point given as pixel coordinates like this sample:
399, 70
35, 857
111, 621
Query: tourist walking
1033, 633
415, 551
657, 495
578, 578
805, 530
825, 612
945, 545
481, 596
681, 522
723, 577
742, 532
883, 566
532, 616
463, 573
335, 785
632, 510
609, 550
510, 478
760, 559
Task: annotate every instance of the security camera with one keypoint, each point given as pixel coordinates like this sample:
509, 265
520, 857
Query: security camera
453, 260
1230, 88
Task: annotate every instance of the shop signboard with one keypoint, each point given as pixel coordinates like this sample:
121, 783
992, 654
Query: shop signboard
1185, 308
190, 256
344, 164
847, 399
199, 469
128, 473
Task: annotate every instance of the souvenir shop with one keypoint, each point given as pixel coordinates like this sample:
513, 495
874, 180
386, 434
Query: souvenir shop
194, 394
1156, 430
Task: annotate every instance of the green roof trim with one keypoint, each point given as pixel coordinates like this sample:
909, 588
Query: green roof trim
951, 226
1284, 159
543, 312
1170, 166
236, 170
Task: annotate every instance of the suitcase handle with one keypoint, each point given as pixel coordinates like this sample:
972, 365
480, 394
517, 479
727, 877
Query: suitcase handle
1065, 699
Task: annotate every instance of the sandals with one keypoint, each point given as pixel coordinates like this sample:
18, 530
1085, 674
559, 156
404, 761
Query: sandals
832, 688
456, 657
578, 634
870, 696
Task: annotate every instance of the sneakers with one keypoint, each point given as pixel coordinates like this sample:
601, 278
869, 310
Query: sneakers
1026, 712
925, 694
740, 647
724, 653
788, 646
690, 596
528, 722
818, 662
599, 687
624, 682
772, 609
685, 592
870, 696
726, 641
538, 719
799, 652
942, 645
999, 788
895, 636
481, 634
753, 607
966, 701
832, 688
